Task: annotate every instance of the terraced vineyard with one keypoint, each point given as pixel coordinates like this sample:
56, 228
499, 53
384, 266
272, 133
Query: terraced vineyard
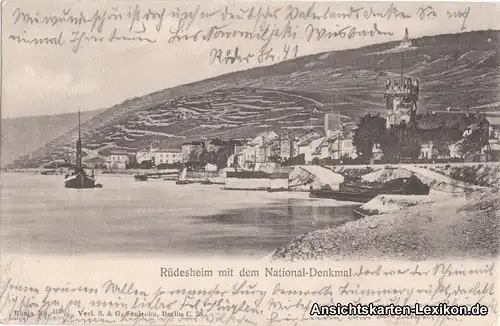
456, 70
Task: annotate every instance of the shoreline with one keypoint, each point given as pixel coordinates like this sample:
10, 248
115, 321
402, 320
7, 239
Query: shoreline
450, 227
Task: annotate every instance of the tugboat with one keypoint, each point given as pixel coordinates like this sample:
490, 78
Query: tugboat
79, 178
365, 193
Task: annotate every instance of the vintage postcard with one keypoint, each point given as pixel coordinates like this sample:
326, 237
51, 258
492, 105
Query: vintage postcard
249, 163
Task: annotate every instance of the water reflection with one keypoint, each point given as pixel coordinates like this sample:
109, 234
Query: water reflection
268, 227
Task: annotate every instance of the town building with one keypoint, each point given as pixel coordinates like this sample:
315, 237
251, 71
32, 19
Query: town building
494, 141
238, 145
264, 138
166, 155
308, 147
143, 155
117, 159
340, 144
213, 145
322, 150
281, 147
310, 134
442, 132
285, 142
236, 160
332, 123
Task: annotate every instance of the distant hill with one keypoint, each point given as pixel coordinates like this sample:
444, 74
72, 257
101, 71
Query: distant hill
20, 136
456, 70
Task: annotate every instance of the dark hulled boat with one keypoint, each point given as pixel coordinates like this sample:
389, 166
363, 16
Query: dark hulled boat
141, 177
364, 193
79, 178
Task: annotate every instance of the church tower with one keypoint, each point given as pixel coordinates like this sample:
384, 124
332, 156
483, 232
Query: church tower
401, 96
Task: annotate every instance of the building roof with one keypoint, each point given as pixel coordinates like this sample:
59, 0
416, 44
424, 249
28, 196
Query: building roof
460, 120
237, 142
347, 132
195, 143
313, 136
317, 142
117, 151
219, 142
167, 150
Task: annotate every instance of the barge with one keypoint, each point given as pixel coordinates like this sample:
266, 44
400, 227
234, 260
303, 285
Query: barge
363, 193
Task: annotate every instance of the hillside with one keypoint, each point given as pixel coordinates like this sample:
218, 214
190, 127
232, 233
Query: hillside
456, 70
21, 136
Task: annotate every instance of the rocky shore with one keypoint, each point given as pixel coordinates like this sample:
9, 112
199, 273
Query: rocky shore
456, 227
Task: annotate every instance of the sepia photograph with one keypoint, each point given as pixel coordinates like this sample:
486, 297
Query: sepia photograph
276, 132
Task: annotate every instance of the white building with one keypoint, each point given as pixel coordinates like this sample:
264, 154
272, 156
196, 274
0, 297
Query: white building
143, 155
332, 123
117, 160
264, 138
256, 180
238, 157
341, 143
210, 167
309, 148
166, 156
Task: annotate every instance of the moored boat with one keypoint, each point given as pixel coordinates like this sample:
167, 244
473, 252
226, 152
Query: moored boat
365, 193
182, 178
141, 177
79, 178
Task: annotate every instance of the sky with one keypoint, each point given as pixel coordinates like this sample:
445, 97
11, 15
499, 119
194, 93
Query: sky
39, 79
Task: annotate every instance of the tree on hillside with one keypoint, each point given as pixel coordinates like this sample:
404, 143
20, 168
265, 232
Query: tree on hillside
370, 131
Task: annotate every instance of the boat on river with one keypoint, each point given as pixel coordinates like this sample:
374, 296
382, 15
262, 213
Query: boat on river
141, 177
182, 178
357, 192
79, 179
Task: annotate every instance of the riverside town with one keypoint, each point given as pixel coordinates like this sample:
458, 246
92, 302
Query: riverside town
280, 160
331, 155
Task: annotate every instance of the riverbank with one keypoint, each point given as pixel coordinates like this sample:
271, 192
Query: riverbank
457, 227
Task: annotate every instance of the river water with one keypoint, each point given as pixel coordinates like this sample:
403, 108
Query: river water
40, 216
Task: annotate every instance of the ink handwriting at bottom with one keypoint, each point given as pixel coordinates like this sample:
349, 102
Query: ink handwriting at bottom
263, 55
